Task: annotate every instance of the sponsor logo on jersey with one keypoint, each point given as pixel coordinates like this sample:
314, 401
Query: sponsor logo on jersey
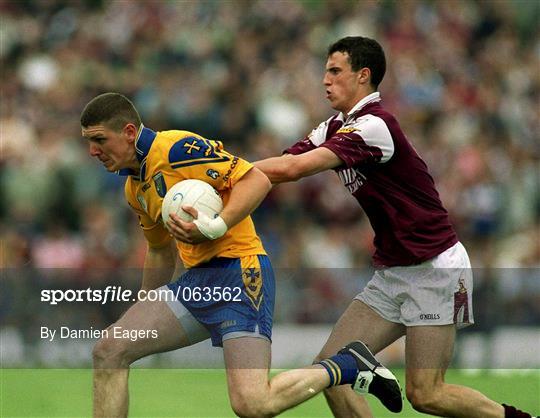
161, 186
234, 162
346, 130
212, 173
352, 179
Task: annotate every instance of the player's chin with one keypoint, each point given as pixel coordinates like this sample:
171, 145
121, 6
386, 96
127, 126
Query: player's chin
334, 104
110, 166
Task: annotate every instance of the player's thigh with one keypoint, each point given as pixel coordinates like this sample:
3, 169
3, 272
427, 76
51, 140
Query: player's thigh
428, 352
147, 327
360, 322
247, 361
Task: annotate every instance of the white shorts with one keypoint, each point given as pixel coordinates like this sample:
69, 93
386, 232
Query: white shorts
435, 292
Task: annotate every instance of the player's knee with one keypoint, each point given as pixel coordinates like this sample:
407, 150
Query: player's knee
110, 353
246, 408
250, 404
422, 399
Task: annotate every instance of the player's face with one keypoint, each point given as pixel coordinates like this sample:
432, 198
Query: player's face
115, 150
344, 87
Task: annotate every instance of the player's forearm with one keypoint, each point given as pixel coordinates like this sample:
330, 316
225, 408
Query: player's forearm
246, 195
291, 167
277, 169
159, 266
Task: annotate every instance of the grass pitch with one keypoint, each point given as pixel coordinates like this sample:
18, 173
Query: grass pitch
202, 393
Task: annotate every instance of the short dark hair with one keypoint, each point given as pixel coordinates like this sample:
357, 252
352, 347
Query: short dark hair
112, 109
363, 52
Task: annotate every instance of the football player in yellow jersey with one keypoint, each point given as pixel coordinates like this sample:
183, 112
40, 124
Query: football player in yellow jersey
230, 281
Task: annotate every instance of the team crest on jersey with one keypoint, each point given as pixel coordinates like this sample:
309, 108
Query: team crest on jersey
161, 186
142, 202
253, 285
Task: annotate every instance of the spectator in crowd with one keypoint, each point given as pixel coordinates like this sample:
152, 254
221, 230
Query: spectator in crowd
465, 84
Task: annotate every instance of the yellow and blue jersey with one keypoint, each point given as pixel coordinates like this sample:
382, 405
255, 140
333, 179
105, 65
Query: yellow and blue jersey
168, 157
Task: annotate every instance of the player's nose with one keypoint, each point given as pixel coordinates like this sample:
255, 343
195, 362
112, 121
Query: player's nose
94, 150
326, 80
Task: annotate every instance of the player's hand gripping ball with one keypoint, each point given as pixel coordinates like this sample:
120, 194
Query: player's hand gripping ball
201, 196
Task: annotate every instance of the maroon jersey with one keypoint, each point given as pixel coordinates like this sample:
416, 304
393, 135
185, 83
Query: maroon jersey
383, 171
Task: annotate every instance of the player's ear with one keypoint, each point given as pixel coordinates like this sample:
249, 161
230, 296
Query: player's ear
364, 75
130, 130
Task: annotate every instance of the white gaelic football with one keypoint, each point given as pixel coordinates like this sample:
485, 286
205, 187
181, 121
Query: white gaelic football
195, 193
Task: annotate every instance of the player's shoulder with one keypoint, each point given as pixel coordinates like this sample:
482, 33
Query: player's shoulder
374, 114
328, 122
373, 119
367, 121
168, 143
319, 134
373, 130
166, 139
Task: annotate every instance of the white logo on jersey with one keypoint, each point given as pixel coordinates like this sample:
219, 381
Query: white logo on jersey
352, 179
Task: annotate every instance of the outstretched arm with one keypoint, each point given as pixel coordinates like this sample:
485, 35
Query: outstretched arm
245, 196
291, 167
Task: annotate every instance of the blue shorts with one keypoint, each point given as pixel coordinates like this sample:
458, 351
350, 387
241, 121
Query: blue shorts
229, 295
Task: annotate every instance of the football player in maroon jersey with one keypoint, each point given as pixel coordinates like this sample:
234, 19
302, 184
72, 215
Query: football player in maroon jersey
422, 286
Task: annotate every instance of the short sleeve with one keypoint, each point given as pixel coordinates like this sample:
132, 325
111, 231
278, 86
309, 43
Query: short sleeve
195, 157
315, 138
237, 169
365, 141
300, 147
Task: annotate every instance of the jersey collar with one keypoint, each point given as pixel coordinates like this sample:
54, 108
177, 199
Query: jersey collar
144, 141
370, 98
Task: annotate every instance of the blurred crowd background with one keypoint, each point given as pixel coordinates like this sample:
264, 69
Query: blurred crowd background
463, 79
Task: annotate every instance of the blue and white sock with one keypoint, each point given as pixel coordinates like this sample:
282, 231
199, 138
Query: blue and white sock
341, 368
